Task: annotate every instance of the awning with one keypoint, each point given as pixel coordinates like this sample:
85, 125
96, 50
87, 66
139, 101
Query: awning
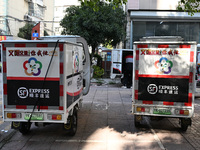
171, 16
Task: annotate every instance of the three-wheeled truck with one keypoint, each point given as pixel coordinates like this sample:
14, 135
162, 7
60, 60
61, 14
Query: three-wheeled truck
44, 82
164, 79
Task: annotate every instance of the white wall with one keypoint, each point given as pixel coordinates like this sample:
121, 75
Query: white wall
153, 4
59, 13
49, 15
16, 10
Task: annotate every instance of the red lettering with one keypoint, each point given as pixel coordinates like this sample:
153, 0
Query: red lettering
170, 52
45, 53
157, 52
26, 53
21, 53
153, 52
148, 52
16, 52
143, 52
33, 53
39, 53
11, 53
176, 52
164, 52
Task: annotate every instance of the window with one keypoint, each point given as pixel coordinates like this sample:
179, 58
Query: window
108, 57
36, 10
57, 29
187, 30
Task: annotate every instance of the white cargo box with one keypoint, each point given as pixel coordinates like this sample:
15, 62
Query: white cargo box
43, 79
118, 62
164, 79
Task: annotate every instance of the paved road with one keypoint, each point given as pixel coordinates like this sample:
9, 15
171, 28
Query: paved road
105, 123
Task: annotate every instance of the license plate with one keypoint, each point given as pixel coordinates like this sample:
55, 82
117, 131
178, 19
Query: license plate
162, 111
35, 116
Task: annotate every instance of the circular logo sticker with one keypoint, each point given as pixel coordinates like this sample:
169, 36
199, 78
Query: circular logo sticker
152, 89
22, 92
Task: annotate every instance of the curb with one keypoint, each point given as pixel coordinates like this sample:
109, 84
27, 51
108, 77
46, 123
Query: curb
6, 133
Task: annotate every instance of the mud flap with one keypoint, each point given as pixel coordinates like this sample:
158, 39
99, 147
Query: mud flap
137, 120
16, 125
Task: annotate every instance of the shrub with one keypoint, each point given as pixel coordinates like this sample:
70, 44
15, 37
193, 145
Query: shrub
98, 72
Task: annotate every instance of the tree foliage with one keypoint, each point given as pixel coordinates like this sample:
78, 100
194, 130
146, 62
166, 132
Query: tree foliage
94, 3
25, 31
46, 33
190, 6
98, 27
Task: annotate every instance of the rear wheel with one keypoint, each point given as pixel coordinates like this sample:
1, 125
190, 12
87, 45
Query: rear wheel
137, 120
185, 122
71, 125
184, 127
25, 127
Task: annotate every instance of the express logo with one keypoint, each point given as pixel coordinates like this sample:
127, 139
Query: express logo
76, 63
32, 67
152, 89
22, 92
163, 65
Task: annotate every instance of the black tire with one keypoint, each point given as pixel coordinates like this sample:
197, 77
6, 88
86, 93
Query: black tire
122, 81
71, 127
137, 123
184, 125
25, 127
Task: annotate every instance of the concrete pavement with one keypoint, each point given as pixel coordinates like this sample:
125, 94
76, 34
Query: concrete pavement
197, 92
192, 135
115, 127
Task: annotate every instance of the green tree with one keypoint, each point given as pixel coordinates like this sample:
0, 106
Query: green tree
25, 31
98, 27
94, 3
46, 33
190, 6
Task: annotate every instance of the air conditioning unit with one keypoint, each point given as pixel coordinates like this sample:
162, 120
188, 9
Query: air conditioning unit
29, 1
27, 18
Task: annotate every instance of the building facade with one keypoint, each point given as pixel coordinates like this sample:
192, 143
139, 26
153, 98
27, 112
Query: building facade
160, 18
60, 11
15, 14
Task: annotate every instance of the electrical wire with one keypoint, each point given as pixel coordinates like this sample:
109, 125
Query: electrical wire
44, 81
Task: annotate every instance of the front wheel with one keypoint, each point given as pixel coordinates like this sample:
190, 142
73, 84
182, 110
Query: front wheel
71, 125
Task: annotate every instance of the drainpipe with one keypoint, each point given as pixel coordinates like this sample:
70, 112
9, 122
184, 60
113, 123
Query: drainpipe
5, 13
131, 36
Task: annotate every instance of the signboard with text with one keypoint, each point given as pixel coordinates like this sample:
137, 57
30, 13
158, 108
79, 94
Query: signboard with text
162, 89
164, 74
26, 71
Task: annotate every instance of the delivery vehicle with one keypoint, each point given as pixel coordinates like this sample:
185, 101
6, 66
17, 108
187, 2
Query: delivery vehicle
86, 60
118, 62
164, 79
198, 65
43, 82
